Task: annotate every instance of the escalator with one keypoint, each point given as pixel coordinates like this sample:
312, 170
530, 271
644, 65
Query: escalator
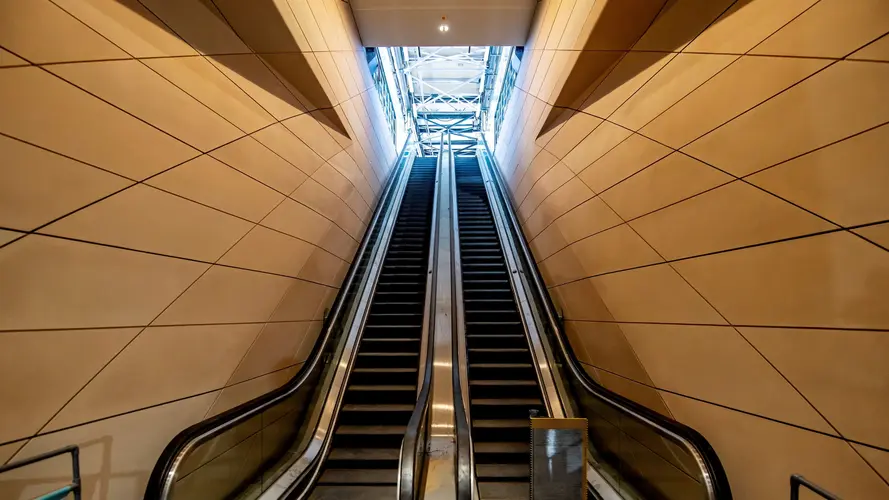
503, 386
382, 389
361, 421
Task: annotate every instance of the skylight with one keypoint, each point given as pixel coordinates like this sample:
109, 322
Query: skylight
431, 90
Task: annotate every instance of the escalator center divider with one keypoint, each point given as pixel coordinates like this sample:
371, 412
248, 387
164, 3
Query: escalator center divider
382, 388
503, 385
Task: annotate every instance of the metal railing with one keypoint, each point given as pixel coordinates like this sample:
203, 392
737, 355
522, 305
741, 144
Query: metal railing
687, 466
797, 480
291, 410
74, 488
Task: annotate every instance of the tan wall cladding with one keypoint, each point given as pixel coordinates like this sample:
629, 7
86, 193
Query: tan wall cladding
709, 209
183, 186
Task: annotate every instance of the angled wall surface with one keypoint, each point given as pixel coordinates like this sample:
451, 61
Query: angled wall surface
183, 186
704, 185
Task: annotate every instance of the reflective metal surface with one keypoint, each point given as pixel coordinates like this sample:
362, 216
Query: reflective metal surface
442, 446
639, 449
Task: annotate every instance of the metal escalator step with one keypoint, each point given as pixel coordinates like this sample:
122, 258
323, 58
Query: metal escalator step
501, 423
377, 408
501, 447
500, 365
504, 491
384, 370
502, 470
362, 492
504, 382
382, 388
497, 349
359, 476
506, 402
368, 454
371, 429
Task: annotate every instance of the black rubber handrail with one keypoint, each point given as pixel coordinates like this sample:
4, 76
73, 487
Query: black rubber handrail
718, 484
164, 472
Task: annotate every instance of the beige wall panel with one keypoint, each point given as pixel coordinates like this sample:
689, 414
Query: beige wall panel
263, 249
66, 284
259, 162
878, 234
274, 349
535, 170
161, 365
876, 51
639, 393
219, 297
315, 135
546, 185
741, 441
548, 242
624, 80
627, 158
322, 267
845, 182
571, 133
716, 364
116, 454
41, 32
612, 250
842, 100
308, 25
679, 22
199, 25
84, 128
653, 294
129, 25
249, 73
9, 59
149, 219
832, 280
850, 25
568, 196
299, 221
562, 267
731, 216
745, 24
678, 78
843, 374
37, 186
211, 182
126, 84
588, 218
39, 362
8, 236
667, 181
878, 459
207, 84
301, 301
339, 243
237, 394
607, 348
280, 140
600, 141
742, 85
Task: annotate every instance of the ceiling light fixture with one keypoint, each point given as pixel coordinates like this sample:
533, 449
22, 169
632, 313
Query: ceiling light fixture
443, 27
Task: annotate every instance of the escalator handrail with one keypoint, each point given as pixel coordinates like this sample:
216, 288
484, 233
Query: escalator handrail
466, 477
163, 475
712, 472
407, 466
